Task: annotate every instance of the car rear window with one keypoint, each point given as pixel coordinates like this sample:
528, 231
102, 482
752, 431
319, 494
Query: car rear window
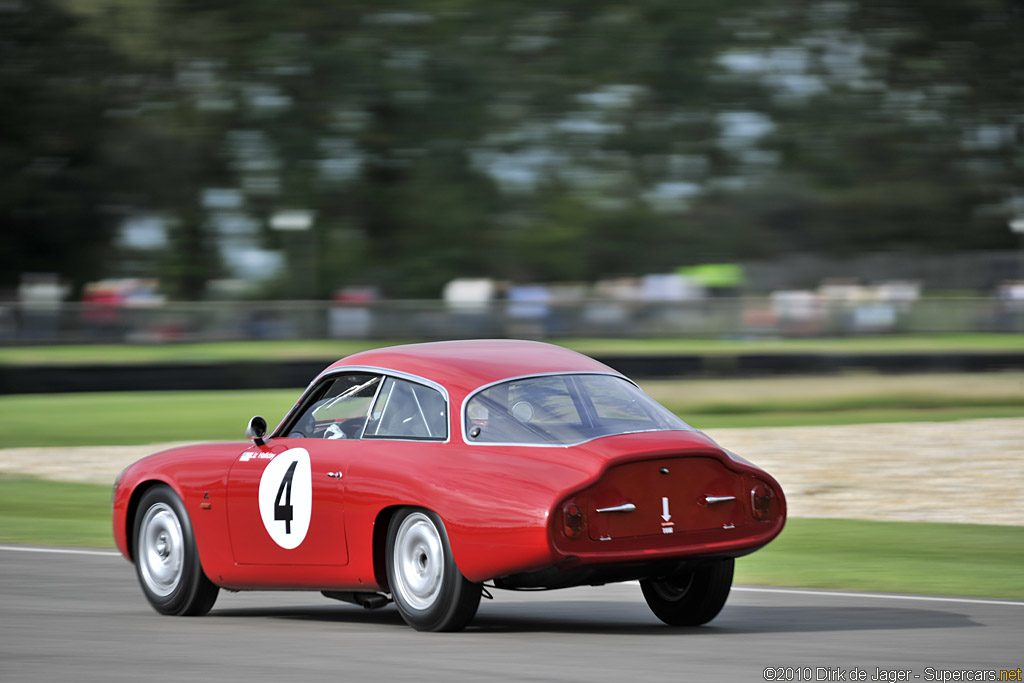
562, 410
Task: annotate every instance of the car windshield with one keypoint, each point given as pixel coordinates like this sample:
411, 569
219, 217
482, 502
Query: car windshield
342, 402
563, 410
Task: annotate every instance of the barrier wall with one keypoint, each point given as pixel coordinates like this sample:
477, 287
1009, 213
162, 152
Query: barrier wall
297, 374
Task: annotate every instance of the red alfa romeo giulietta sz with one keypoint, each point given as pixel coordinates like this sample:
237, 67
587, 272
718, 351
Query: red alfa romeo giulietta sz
425, 474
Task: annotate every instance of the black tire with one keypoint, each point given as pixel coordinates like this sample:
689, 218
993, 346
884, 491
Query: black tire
692, 598
429, 590
166, 560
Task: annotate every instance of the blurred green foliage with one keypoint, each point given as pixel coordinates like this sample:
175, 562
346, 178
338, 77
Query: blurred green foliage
442, 138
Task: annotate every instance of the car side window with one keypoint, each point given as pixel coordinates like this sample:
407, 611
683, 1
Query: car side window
337, 409
407, 410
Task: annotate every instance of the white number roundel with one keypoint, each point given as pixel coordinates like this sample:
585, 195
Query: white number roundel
286, 497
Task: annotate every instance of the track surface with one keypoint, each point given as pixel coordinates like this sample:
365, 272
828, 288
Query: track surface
82, 617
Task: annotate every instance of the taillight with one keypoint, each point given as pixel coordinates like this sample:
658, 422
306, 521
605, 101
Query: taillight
572, 520
761, 502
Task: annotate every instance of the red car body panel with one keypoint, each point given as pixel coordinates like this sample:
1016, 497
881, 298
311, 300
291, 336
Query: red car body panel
502, 505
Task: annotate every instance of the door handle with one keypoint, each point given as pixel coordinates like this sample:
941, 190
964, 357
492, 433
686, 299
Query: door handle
625, 507
711, 500
334, 475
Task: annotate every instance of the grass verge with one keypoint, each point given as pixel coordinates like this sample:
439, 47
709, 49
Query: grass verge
42, 512
112, 419
127, 418
704, 421
941, 559
894, 557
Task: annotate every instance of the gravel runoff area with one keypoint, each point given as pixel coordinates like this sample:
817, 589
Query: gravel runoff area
970, 471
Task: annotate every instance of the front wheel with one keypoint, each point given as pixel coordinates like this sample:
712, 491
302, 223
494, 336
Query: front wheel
166, 559
692, 598
429, 590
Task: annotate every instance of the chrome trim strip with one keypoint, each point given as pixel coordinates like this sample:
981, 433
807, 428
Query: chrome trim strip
423, 416
553, 373
625, 507
390, 373
565, 445
369, 411
383, 408
711, 500
344, 369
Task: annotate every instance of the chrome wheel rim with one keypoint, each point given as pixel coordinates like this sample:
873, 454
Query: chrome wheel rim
161, 550
419, 562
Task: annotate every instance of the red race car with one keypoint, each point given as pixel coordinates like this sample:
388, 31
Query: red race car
425, 474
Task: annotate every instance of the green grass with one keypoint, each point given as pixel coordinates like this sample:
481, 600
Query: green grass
332, 349
181, 353
941, 559
54, 513
857, 398
846, 417
847, 404
911, 343
127, 418
898, 557
846, 410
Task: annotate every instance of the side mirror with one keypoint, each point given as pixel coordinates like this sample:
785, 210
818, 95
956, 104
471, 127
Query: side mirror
256, 430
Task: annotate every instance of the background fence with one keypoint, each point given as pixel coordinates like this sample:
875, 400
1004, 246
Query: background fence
747, 317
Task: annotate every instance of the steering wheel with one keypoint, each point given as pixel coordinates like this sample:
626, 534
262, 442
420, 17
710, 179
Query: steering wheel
346, 429
353, 427
334, 431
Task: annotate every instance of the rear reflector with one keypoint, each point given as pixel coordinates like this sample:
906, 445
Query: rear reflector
761, 502
572, 517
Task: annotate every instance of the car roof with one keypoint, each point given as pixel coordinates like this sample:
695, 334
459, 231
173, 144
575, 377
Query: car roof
469, 364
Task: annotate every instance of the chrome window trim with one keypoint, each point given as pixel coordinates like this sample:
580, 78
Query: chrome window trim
369, 411
383, 408
465, 406
513, 444
385, 373
423, 415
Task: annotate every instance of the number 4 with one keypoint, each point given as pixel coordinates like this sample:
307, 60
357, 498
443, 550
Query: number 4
284, 512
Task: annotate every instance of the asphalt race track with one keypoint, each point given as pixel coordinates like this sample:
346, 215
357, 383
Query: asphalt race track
81, 617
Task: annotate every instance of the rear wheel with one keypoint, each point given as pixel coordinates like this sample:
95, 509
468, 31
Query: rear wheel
692, 598
166, 559
429, 591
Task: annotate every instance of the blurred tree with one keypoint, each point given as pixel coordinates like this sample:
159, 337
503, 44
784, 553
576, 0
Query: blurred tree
55, 92
432, 139
894, 126
436, 140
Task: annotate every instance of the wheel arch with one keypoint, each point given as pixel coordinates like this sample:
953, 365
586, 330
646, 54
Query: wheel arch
381, 524
133, 509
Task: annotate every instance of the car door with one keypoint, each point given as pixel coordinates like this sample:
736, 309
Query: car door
286, 498
286, 503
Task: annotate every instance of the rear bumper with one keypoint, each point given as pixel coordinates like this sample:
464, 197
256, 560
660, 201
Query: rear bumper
600, 574
633, 559
737, 542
